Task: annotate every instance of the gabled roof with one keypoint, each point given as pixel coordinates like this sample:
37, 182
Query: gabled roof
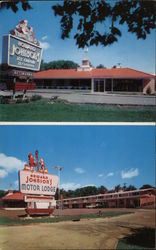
13, 196
94, 73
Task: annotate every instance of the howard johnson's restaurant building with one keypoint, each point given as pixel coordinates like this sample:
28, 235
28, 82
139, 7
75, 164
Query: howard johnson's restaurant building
102, 80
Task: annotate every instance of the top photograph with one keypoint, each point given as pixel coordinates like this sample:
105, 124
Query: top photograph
77, 61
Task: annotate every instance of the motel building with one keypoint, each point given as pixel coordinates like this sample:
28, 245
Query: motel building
96, 80
142, 198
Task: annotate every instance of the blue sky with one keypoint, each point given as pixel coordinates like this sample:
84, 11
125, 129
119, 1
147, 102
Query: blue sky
90, 155
130, 52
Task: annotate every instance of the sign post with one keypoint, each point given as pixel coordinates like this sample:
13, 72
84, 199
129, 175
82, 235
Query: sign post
38, 186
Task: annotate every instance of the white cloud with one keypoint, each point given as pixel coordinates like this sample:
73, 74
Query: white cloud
45, 45
130, 173
100, 175
110, 174
3, 173
44, 38
70, 186
79, 170
89, 185
9, 164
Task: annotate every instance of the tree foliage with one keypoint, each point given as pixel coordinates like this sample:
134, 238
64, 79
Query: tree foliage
145, 186
100, 66
2, 193
79, 192
98, 21
130, 187
60, 64
14, 5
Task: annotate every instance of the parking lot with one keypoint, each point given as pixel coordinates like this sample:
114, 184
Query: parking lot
79, 96
97, 98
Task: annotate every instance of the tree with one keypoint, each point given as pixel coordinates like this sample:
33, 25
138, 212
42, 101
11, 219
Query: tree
98, 21
100, 66
101, 190
117, 188
14, 5
60, 64
108, 16
2, 193
145, 186
130, 187
124, 187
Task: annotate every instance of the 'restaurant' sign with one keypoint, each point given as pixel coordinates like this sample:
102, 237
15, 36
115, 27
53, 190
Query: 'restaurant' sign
37, 183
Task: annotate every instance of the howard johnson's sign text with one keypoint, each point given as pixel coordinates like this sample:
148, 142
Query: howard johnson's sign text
37, 183
21, 53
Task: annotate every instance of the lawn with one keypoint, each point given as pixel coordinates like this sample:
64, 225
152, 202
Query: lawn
44, 111
17, 221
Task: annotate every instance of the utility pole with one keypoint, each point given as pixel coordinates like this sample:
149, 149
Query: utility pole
59, 168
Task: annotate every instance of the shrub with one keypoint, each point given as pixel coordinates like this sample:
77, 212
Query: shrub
19, 100
4, 100
148, 91
35, 98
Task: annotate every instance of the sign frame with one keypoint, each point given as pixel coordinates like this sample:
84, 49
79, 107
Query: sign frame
41, 188
7, 53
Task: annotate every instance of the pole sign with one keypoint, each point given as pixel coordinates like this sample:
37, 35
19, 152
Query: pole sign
21, 49
37, 183
20, 53
34, 178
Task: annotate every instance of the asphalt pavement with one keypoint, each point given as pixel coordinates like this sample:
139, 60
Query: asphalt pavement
74, 96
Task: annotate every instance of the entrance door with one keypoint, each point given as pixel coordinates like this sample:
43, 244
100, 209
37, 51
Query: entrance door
99, 85
108, 85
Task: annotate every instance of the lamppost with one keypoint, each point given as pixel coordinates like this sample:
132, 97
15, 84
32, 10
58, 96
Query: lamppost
59, 168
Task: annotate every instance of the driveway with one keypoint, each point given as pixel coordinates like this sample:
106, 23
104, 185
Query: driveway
97, 98
101, 233
76, 96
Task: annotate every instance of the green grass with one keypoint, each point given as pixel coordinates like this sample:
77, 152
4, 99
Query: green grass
122, 246
141, 238
18, 221
59, 112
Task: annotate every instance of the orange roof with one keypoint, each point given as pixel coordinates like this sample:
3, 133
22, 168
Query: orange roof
94, 73
63, 73
120, 73
14, 196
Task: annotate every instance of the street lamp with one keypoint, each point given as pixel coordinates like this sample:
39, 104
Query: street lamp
59, 168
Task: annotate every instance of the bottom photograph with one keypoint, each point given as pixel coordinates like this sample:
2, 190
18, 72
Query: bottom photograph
77, 186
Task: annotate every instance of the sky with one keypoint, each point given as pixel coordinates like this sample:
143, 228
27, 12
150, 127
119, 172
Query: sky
129, 51
90, 155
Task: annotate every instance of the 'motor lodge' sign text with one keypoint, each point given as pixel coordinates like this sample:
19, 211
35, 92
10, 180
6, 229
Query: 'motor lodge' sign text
21, 53
37, 183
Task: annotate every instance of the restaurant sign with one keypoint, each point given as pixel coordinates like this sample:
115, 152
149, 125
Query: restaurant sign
21, 49
37, 183
21, 54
